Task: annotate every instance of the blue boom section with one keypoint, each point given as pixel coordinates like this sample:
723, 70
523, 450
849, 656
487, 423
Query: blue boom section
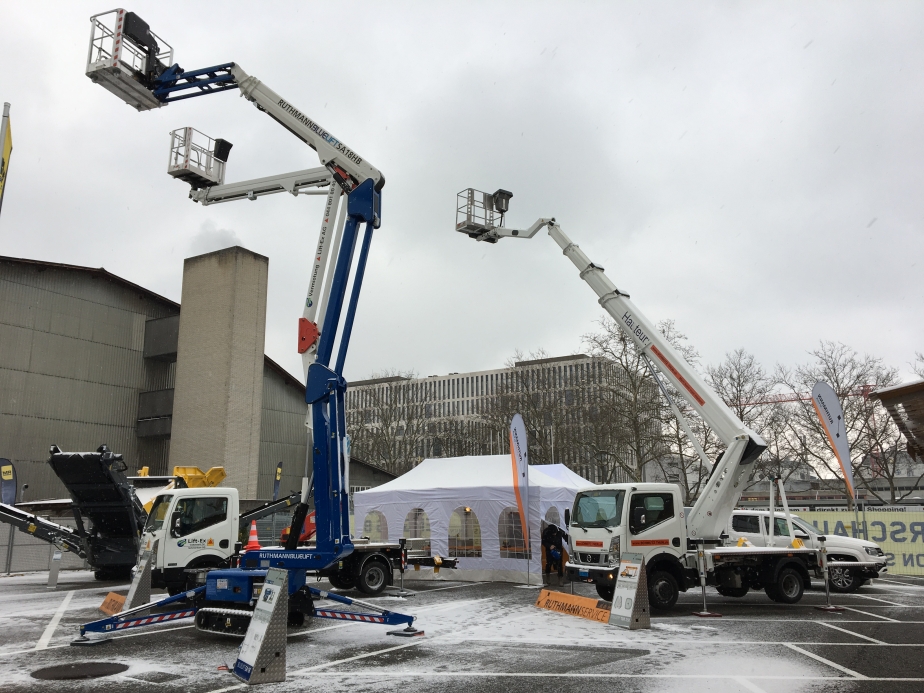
325, 391
208, 80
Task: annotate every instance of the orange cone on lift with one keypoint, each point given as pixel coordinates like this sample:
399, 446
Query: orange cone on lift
253, 544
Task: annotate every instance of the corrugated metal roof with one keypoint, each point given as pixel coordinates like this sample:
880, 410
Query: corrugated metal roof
97, 271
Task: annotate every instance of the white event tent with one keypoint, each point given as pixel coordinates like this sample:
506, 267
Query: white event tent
467, 508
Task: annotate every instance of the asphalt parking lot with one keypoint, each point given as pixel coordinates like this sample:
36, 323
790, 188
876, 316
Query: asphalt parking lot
490, 637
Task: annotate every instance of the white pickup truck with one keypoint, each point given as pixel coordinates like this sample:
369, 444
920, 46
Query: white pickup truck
754, 525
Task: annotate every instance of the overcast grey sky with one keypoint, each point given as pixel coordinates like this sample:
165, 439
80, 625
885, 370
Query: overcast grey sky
751, 170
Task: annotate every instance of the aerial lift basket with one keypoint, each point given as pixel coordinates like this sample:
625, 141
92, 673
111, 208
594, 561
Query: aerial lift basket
125, 57
479, 212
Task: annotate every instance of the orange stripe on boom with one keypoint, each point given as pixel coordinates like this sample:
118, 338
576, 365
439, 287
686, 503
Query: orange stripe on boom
680, 378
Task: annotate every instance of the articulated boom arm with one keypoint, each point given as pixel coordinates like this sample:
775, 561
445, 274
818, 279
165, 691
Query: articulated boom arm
348, 168
125, 57
726, 483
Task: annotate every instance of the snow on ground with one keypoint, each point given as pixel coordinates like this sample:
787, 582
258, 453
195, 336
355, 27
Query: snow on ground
489, 637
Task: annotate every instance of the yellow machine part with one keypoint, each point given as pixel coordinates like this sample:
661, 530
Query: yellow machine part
196, 478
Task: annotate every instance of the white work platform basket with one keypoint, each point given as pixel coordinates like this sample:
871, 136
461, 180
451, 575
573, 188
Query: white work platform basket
196, 158
125, 56
476, 212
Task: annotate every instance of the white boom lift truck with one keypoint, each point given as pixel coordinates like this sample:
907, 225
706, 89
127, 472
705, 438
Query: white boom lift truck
681, 546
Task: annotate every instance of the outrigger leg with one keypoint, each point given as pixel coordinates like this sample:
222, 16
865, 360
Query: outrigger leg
124, 620
390, 618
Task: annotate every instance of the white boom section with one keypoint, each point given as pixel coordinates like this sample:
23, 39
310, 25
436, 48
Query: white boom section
711, 512
347, 167
295, 183
314, 307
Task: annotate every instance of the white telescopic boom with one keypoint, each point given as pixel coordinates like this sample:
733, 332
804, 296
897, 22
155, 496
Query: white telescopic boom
348, 168
726, 483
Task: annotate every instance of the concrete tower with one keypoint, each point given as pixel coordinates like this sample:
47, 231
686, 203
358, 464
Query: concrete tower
219, 374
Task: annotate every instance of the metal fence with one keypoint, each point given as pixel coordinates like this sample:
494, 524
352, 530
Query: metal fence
27, 554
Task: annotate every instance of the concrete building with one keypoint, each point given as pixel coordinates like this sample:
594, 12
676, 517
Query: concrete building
458, 414
87, 357
218, 393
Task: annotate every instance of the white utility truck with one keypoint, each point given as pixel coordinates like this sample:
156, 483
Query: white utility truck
199, 529
682, 547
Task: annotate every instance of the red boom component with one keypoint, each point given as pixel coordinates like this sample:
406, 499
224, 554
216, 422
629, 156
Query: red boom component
307, 334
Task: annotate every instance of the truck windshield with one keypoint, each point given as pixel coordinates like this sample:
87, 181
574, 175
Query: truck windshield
599, 508
158, 513
802, 526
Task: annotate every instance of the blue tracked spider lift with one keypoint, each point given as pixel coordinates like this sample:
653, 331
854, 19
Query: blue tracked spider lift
126, 58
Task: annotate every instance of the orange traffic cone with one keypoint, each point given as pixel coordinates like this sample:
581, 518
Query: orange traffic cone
253, 543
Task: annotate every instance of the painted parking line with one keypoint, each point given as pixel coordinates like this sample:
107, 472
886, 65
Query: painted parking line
875, 599
828, 662
750, 685
856, 635
867, 613
354, 658
43, 641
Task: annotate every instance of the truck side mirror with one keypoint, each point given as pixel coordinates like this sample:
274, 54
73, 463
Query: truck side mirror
175, 520
567, 517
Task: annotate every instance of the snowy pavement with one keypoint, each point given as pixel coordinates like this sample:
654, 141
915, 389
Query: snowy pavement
489, 637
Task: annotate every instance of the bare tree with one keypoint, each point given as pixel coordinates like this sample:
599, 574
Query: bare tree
918, 365
388, 425
542, 404
748, 390
625, 431
867, 424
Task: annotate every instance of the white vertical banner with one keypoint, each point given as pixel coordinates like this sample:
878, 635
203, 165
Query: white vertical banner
831, 415
520, 469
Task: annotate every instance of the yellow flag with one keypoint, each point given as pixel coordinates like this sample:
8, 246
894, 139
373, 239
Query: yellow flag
6, 148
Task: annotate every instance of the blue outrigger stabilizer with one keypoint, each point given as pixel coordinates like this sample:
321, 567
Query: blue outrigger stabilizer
234, 621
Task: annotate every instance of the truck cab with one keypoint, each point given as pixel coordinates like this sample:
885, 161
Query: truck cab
194, 528
638, 518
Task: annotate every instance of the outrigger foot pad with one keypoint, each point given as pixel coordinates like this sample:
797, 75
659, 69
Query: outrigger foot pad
84, 641
408, 632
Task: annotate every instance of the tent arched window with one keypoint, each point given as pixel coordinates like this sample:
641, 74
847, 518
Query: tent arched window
510, 535
417, 526
375, 526
464, 534
552, 517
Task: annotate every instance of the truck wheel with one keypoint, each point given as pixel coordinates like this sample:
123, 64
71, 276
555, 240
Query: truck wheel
342, 581
787, 588
373, 578
736, 592
606, 592
662, 590
844, 580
